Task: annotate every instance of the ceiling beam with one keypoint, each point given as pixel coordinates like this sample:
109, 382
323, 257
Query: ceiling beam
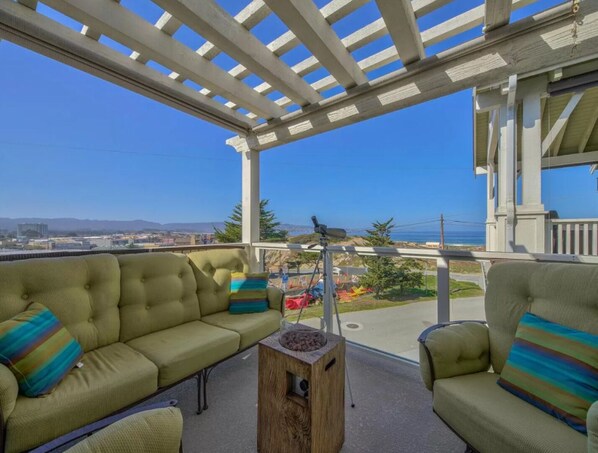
522, 47
400, 21
31, 4
555, 135
497, 14
217, 26
585, 137
307, 23
423, 7
124, 26
41, 34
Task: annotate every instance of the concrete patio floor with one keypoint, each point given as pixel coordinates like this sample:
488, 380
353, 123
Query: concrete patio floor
393, 410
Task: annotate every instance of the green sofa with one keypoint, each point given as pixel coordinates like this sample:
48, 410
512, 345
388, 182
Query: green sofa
455, 360
145, 321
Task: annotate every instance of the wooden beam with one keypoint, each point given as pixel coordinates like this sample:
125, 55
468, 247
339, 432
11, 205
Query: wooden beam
423, 7
31, 4
493, 129
41, 34
461, 23
570, 160
552, 140
307, 23
166, 24
399, 18
519, 48
497, 14
124, 26
217, 26
585, 137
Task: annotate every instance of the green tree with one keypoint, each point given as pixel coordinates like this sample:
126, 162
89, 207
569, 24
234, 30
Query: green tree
382, 271
269, 230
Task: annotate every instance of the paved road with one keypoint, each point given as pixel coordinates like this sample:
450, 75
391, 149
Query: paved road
396, 329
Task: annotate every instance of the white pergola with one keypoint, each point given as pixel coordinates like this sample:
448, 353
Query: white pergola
558, 37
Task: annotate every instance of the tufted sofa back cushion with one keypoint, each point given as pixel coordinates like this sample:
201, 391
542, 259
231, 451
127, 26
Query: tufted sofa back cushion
212, 272
562, 293
158, 291
82, 292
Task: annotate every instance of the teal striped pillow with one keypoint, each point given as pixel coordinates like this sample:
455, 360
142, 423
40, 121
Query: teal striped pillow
555, 368
248, 293
38, 350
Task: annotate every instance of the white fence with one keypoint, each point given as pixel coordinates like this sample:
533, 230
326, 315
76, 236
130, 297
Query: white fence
573, 236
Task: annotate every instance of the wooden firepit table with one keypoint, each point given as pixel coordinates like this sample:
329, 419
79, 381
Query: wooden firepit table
289, 418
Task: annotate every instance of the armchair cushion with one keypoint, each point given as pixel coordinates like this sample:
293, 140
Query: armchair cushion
494, 421
9, 390
555, 368
454, 350
592, 425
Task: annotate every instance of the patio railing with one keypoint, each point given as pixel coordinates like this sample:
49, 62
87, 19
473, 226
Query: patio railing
405, 319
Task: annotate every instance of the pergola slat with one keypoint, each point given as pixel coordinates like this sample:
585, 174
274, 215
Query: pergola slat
221, 29
29, 29
307, 23
497, 14
537, 41
375, 30
461, 23
122, 25
399, 18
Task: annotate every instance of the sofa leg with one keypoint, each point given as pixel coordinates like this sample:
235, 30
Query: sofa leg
205, 376
199, 391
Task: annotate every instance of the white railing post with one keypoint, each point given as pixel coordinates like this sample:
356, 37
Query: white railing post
328, 302
443, 306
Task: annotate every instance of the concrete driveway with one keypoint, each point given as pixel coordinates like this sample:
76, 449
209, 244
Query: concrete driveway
396, 329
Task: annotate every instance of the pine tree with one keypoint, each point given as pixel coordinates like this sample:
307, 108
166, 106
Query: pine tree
269, 231
382, 271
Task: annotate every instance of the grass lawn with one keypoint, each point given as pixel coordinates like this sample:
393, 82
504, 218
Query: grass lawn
393, 298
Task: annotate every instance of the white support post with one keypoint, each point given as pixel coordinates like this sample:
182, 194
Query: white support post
531, 151
328, 294
443, 305
250, 204
511, 160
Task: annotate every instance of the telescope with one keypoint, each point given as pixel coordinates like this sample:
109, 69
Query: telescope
322, 229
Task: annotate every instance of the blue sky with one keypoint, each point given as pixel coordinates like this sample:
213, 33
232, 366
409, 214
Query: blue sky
72, 145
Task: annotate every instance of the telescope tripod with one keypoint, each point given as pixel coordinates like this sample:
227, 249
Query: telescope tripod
328, 299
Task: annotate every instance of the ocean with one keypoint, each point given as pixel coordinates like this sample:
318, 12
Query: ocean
476, 237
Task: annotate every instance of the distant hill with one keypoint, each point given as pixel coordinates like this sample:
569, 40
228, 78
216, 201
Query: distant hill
109, 226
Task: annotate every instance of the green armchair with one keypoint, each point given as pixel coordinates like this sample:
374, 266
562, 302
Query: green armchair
461, 362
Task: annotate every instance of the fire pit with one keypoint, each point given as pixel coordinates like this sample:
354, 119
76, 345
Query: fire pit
302, 340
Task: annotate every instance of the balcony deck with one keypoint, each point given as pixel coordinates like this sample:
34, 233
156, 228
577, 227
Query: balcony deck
393, 409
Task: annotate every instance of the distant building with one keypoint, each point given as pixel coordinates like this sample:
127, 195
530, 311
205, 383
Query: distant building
39, 228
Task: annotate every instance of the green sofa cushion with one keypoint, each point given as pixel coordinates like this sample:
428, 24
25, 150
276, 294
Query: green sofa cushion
495, 421
38, 350
212, 270
180, 351
562, 292
83, 292
252, 327
151, 431
554, 368
111, 378
248, 293
158, 291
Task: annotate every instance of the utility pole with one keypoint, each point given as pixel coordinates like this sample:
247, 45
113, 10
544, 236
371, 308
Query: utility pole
441, 231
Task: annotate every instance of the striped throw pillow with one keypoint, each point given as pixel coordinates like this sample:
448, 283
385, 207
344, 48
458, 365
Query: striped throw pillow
248, 293
555, 368
38, 350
